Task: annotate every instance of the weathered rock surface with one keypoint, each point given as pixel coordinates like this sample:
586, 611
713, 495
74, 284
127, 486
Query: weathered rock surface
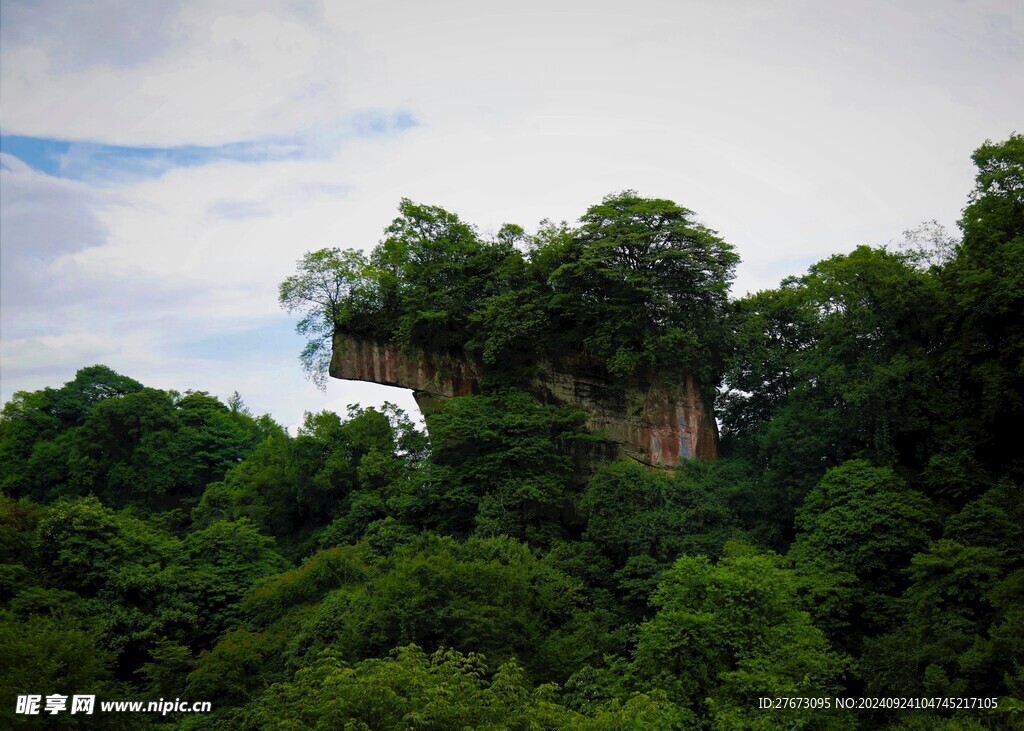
657, 424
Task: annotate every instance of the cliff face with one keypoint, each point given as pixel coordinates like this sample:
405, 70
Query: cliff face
656, 424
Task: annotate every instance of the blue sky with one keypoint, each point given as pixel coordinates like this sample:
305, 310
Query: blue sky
164, 164
87, 160
118, 164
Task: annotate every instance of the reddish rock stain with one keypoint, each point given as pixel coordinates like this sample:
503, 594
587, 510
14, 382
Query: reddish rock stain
657, 423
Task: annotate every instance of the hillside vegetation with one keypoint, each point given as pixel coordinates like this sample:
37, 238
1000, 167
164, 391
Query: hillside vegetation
861, 536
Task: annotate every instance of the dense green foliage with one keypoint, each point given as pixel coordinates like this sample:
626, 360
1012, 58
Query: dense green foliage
638, 285
860, 537
107, 435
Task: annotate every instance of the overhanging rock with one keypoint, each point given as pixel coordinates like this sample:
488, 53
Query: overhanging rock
656, 424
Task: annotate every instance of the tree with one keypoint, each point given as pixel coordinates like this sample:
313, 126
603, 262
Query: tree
836, 365
156, 448
964, 607
928, 245
859, 528
490, 595
37, 428
48, 654
90, 386
646, 285
332, 288
502, 463
446, 689
325, 485
983, 330
226, 560
728, 632
633, 511
639, 284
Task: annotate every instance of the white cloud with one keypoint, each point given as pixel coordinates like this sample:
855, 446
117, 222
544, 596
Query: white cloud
166, 286
210, 73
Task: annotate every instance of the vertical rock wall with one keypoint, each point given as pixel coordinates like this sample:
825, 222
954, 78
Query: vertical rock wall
656, 424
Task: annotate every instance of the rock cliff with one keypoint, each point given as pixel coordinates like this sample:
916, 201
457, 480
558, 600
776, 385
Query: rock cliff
656, 424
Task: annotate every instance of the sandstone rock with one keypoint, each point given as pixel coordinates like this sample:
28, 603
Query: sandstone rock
656, 423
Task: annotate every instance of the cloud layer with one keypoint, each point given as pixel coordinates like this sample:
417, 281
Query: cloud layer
166, 163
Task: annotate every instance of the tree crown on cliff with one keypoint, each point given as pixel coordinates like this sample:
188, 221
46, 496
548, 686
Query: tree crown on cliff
639, 285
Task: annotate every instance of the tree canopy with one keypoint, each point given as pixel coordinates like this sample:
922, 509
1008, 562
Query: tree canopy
639, 285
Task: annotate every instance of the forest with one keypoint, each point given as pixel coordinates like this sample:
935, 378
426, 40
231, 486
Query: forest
860, 536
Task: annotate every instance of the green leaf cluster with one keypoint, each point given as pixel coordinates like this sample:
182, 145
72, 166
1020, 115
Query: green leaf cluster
638, 286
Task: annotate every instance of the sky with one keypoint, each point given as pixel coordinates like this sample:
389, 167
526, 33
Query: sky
163, 163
